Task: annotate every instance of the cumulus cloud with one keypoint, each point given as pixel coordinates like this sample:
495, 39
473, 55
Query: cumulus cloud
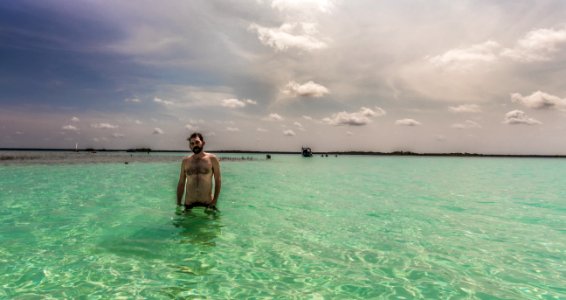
70, 128
308, 89
75, 119
103, 126
289, 132
325, 6
132, 100
467, 57
407, 122
235, 103
360, 118
465, 108
300, 35
537, 45
539, 100
161, 101
516, 117
468, 124
157, 130
274, 117
232, 129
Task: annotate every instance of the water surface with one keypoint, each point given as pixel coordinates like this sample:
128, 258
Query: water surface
343, 227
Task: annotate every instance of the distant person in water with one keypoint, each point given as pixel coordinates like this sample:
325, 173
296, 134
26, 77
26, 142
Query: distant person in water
197, 172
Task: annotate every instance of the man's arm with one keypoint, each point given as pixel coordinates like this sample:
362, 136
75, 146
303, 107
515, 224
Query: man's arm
181, 184
217, 179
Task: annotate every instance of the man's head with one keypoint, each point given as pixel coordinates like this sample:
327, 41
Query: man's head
196, 142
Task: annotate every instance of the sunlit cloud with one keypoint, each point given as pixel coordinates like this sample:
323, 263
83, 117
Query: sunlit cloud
301, 36
157, 131
308, 89
103, 126
360, 118
467, 57
407, 122
69, 128
325, 6
537, 45
465, 108
539, 100
518, 117
161, 101
289, 132
235, 103
75, 119
273, 117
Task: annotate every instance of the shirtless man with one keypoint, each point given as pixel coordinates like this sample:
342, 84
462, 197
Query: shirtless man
196, 176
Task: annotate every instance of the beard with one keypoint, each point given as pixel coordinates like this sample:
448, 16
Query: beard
197, 150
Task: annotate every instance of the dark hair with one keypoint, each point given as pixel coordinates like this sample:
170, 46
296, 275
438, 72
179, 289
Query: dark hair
194, 135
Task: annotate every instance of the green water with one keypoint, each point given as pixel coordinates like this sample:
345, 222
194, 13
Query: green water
289, 228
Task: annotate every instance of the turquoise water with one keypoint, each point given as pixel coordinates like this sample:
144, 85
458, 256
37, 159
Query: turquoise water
290, 228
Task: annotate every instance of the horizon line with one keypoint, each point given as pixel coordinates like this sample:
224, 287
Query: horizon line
349, 152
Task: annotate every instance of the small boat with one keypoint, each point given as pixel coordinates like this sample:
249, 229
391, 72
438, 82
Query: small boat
306, 152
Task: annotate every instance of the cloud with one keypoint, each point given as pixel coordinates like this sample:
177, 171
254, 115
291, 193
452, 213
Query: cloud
349, 133
289, 132
133, 100
324, 6
118, 135
468, 124
307, 117
157, 131
259, 129
537, 45
465, 108
273, 117
308, 89
539, 100
191, 127
407, 122
235, 103
232, 129
289, 35
103, 126
75, 119
467, 57
298, 124
138, 122
516, 117
161, 101
359, 118
70, 128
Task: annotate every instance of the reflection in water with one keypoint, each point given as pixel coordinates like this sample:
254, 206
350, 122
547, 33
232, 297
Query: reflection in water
198, 226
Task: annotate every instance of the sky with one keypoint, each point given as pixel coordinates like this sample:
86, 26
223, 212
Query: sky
471, 76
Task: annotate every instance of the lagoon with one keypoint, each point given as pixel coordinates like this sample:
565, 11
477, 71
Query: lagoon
346, 227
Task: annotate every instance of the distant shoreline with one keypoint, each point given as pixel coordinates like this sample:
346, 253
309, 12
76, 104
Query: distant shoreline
361, 153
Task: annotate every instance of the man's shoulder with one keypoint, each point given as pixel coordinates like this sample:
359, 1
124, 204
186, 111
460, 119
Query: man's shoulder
211, 156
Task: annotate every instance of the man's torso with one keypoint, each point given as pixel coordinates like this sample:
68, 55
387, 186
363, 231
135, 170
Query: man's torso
198, 170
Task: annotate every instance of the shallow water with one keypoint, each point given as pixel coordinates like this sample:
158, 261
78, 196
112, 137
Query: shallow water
339, 227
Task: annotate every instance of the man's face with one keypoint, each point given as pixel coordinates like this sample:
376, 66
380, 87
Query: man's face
196, 145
